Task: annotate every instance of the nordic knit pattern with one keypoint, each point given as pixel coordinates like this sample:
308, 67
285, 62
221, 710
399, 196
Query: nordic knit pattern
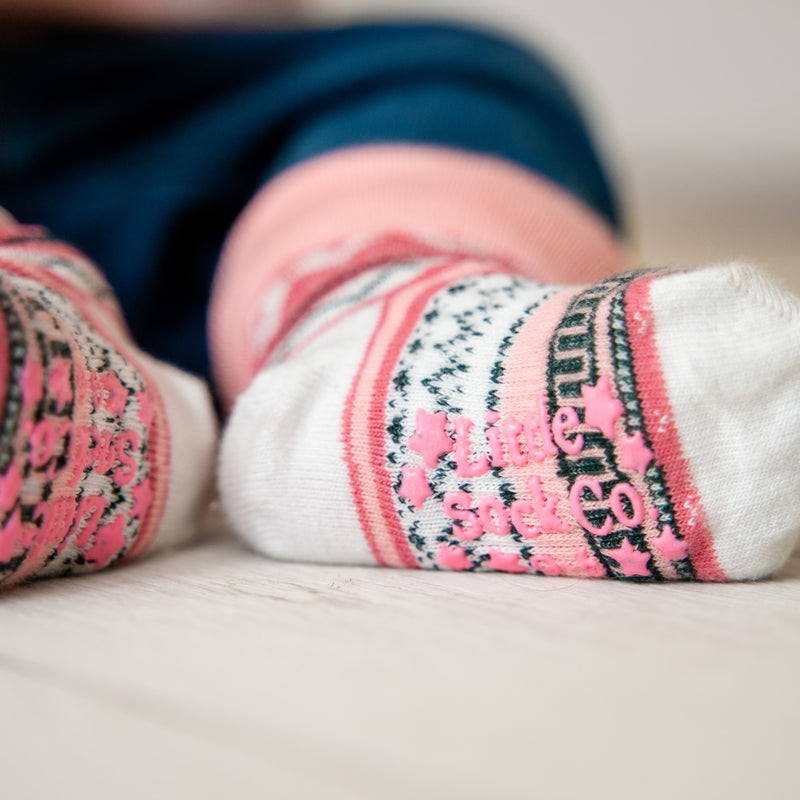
85, 450
435, 408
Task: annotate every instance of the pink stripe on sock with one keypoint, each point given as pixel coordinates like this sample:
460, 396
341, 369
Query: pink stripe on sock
97, 316
302, 287
480, 203
525, 378
664, 434
364, 424
605, 366
4, 363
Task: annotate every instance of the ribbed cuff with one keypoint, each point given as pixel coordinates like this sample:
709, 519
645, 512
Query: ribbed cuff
483, 203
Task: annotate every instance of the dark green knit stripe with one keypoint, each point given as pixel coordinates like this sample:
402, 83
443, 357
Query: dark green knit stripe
578, 330
634, 420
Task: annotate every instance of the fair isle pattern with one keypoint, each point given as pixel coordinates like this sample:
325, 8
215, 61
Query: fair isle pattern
435, 408
364, 424
464, 328
31, 245
84, 452
572, 364
395, 274
603, 509
494, 423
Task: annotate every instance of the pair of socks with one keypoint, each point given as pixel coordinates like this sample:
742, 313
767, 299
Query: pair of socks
431, 360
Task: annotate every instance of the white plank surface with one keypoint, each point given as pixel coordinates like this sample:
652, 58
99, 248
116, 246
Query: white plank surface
212, 672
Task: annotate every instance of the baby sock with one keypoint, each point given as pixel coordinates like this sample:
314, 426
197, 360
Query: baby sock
104, 452
423, 404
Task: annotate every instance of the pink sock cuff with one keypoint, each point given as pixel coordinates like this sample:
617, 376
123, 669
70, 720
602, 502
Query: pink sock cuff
480, 202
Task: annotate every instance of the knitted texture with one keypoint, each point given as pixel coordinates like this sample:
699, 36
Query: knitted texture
357, 195
435, 408
86, 452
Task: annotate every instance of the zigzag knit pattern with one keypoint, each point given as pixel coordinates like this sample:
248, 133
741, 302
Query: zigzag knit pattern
483, 467
84, 447
492, 470
419, 406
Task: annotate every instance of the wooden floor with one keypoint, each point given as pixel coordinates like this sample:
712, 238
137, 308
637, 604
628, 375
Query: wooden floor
214, 673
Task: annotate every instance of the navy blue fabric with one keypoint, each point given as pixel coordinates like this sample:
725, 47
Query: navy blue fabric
142, 148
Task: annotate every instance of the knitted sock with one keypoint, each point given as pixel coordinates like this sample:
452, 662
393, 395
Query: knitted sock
104, 452
418, 405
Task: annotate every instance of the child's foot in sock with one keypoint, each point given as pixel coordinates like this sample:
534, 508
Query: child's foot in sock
432, 410
104, 452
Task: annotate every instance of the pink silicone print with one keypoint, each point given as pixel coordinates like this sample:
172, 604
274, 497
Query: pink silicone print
364, 422
548, 480
86, 471
430, 439
415, 487
602, 409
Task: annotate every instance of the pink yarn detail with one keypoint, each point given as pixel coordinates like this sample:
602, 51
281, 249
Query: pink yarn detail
59, 522
670, 546
636, 455
430, 439
109, 540
103, 453
55, 518
146, 409
546, 508
493, 515
512, 428
632, 562
589, 564
544, 562
110, 393
466, 467
505, 562
10, 486
538, 421
142, 498
602, 408
519, 509
453, 557
11, 536
87, 518
60, 382
31, 382
414, 486
566, 417
496, 447
43, 440
126, 472
593, 485
473, 528
636, 518
80, 457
